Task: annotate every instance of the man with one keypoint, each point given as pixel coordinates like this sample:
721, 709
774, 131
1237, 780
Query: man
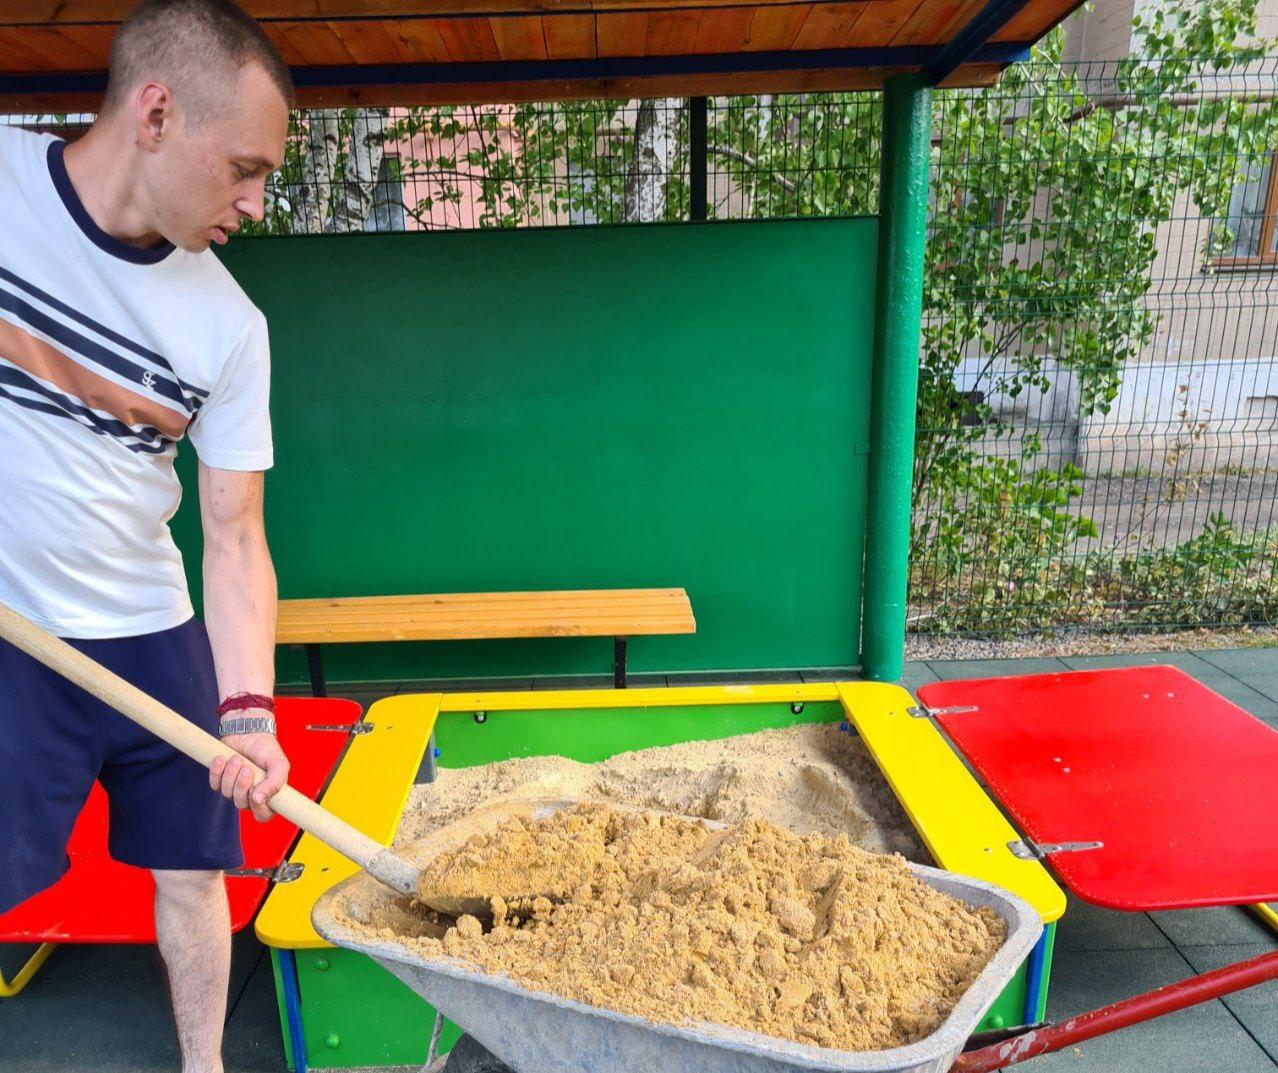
121, 334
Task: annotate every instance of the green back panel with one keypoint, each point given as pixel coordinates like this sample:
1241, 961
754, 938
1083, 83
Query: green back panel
630, 407
589, 735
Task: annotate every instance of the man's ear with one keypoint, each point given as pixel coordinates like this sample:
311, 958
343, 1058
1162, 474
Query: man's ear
153, 110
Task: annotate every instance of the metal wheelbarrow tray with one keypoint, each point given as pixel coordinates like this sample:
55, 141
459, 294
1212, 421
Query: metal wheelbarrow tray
538, 1032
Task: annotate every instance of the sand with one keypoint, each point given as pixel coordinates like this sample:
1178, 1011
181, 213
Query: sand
809, 779
806, 938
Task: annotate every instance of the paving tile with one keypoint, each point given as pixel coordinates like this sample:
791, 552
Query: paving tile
1204, 1037
1186, 661
1221, 926
90, 962
950, 670
124, 961
1256, 1007
62, 1023
1089, 927
252, 1040
917, 673
1243, 662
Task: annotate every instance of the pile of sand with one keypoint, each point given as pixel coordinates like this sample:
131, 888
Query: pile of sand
807, 938
810, 779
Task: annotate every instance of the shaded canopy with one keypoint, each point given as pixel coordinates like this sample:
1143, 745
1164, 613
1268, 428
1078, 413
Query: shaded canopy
53, 53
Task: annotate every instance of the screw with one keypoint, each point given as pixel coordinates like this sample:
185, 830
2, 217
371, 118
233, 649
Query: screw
796, 706
332, 1041
321, 964
481, 717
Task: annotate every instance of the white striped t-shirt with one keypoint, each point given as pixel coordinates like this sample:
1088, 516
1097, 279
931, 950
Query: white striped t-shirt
109, 356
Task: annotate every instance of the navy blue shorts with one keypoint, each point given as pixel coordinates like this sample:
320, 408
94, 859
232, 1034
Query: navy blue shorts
55, 740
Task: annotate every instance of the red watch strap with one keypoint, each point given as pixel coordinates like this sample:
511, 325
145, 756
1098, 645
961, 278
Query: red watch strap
240, 702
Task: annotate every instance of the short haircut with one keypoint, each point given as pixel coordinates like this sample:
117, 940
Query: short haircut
196, 48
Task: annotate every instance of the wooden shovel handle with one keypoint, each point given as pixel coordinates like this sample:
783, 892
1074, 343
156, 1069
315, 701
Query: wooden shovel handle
201, 746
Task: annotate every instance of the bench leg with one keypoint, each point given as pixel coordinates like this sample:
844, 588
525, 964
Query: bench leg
9, 988
313, 660
619, 662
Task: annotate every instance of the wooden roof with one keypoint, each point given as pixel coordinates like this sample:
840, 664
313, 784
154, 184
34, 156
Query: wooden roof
53, 53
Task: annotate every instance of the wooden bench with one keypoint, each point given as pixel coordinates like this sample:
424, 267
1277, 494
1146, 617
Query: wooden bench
616, 613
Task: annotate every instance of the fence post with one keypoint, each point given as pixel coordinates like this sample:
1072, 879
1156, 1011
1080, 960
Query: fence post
698, 157
907, 126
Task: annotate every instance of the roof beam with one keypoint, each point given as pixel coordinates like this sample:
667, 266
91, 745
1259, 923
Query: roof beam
974, 37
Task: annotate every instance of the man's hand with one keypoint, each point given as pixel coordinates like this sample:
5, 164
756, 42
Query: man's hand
234, 778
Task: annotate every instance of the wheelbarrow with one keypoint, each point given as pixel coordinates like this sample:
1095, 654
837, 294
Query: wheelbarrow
537, 1032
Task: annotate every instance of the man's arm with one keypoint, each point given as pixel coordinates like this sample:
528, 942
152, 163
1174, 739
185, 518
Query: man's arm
239, 611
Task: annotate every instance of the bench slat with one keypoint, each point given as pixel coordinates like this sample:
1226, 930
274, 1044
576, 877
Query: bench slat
604, 596
486, 616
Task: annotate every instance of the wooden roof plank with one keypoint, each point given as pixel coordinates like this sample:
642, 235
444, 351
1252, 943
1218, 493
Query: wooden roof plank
622, 34
668, 32
468, 39
43, 48
317, 43
569, 37
293, 56
370, 41
879, 23
931, 22
421, 40
827, 25
723, 30
519, 38
774, 28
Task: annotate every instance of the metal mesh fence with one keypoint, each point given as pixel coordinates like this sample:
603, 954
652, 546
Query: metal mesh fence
1099, 364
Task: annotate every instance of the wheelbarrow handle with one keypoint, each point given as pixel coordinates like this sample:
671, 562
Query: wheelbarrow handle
201, 746
1129, 1011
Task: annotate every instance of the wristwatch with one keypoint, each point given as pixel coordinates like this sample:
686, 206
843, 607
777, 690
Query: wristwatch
245, 724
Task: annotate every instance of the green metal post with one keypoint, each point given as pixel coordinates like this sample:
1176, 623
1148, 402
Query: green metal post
907, 132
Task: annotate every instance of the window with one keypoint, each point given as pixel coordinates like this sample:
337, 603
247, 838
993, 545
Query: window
1252, 209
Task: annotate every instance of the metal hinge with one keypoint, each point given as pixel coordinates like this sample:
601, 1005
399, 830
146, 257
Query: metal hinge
922, 711
285, 873
1028, 850
343, 728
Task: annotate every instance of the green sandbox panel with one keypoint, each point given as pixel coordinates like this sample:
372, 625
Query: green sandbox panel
355, 1013
379, 1021
593, 734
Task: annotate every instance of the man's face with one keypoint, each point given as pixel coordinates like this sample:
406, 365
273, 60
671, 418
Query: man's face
206, 178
